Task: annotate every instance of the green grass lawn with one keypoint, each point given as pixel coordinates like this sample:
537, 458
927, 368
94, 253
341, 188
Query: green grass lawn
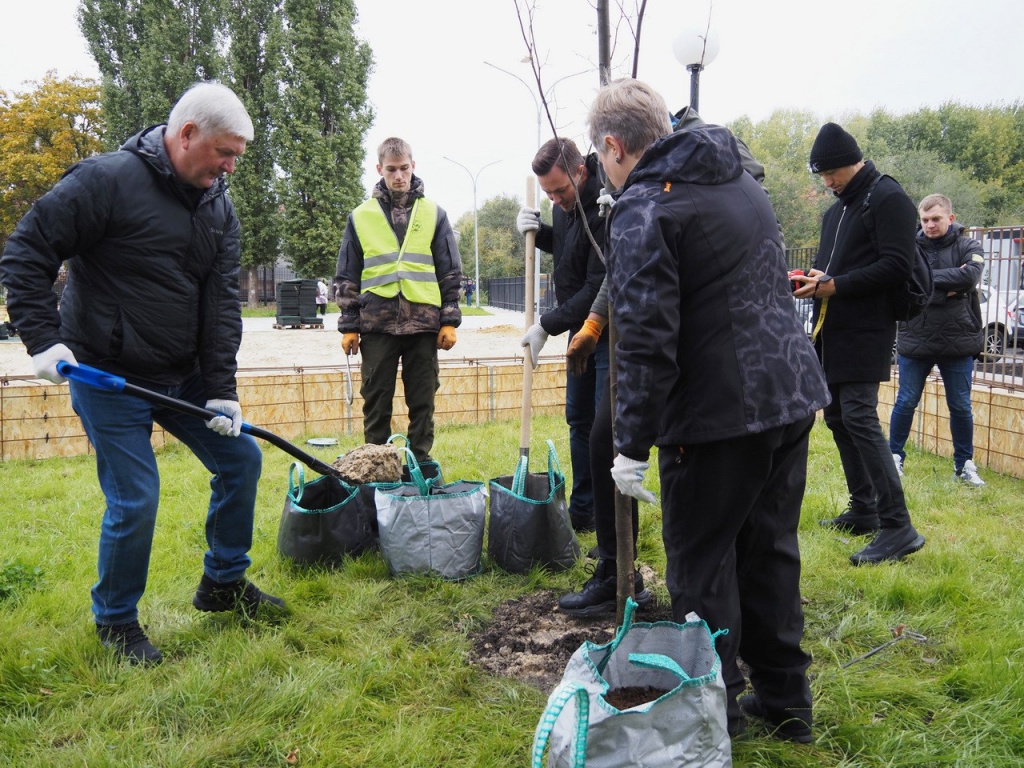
372, 671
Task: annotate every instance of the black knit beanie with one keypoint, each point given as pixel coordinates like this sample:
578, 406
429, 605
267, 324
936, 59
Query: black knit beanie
834, 148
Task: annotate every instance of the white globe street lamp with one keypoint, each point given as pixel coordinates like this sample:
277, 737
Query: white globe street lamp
695, 49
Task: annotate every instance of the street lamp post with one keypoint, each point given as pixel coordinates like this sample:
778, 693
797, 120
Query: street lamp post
695, 49
476, 229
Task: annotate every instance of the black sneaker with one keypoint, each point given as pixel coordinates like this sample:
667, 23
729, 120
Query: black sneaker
853, 521
786, 726
598, 596
130, 641
241, 596
890, 544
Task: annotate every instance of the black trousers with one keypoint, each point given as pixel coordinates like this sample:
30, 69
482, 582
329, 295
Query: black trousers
381, 353
871, 475
602, 455
730, 511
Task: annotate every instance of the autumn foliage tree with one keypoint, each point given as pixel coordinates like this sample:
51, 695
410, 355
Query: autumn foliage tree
43, 131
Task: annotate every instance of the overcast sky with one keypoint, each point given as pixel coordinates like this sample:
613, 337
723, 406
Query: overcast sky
432, 87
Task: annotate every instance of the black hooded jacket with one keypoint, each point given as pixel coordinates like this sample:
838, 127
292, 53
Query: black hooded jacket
710, 346
948, 327
153, 265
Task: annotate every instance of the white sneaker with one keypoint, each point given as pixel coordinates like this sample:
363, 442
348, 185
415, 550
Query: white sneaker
969, 475
898, 461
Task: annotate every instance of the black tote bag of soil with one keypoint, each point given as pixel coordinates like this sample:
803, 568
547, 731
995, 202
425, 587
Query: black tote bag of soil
324, 520
529, 521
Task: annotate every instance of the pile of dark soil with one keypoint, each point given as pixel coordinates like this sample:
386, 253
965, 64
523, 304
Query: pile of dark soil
530, 640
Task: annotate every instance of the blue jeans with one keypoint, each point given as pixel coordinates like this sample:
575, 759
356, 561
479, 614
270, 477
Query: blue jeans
582, 396
956, 379
119, 427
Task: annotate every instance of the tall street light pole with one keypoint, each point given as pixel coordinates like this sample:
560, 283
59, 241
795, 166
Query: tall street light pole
540, 112
476, 228
695, 49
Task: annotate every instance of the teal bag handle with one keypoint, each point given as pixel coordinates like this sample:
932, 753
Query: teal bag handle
292, 485
416, 473
519, 478
563, 695
553, 464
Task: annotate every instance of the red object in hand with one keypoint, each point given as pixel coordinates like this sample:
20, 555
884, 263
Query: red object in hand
795, 284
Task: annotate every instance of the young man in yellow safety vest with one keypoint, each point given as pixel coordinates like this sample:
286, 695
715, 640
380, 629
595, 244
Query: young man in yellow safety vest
397, 285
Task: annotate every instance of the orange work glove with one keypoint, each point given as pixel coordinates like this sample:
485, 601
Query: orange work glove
582, 346
350, 343
446, 337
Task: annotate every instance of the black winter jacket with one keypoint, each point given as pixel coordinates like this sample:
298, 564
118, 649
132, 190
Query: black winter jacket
948, 326
579, 270
856, 336
152, 291
710, 346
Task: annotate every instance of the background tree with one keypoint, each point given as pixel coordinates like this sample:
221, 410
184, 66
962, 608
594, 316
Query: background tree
254, 62
42, 132
324, 119
148, 52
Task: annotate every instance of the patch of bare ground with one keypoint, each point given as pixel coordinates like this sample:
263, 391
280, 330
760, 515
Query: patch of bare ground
530, 640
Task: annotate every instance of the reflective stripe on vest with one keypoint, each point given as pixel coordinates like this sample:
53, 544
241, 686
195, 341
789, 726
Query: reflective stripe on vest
388, 268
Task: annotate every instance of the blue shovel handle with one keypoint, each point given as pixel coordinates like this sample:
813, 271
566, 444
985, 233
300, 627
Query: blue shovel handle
94, 377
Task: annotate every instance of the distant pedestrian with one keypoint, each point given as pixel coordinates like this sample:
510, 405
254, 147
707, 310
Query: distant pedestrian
470, 287
947, 334
321, 297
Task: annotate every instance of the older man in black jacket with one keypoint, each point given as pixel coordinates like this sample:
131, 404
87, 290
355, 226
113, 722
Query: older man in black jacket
855, 281
151, 242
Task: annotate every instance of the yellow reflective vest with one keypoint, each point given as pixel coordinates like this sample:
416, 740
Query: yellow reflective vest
389, 268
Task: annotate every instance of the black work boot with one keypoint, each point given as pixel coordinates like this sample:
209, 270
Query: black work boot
890, 544
129, 641
598, 595
787, 726
855, 521
241, 596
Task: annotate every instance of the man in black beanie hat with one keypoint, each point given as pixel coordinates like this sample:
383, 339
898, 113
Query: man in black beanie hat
856, 276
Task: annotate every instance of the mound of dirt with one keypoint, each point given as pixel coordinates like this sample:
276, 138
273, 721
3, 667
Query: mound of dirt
530, 640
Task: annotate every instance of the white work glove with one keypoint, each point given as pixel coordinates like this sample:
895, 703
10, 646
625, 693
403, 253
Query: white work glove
536, 337
230, 423
528, 220
628, 475
45, 362
605, 198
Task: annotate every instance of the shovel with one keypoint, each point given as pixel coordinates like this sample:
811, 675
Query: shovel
94, 377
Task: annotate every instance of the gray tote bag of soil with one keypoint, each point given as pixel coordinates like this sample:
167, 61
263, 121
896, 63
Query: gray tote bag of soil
653, 696
529, 521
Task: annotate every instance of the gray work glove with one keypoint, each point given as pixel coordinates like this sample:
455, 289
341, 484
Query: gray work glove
229, 420
536, 337
45, 362
528, 220
628, 475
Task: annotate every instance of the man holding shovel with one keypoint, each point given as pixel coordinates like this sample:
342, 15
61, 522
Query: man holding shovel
152, 246
572, 183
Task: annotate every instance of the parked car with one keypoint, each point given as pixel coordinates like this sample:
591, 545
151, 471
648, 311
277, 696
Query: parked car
1000, 314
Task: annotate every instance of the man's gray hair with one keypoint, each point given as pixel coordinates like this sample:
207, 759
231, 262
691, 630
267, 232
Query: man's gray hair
213, 107
631, 111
